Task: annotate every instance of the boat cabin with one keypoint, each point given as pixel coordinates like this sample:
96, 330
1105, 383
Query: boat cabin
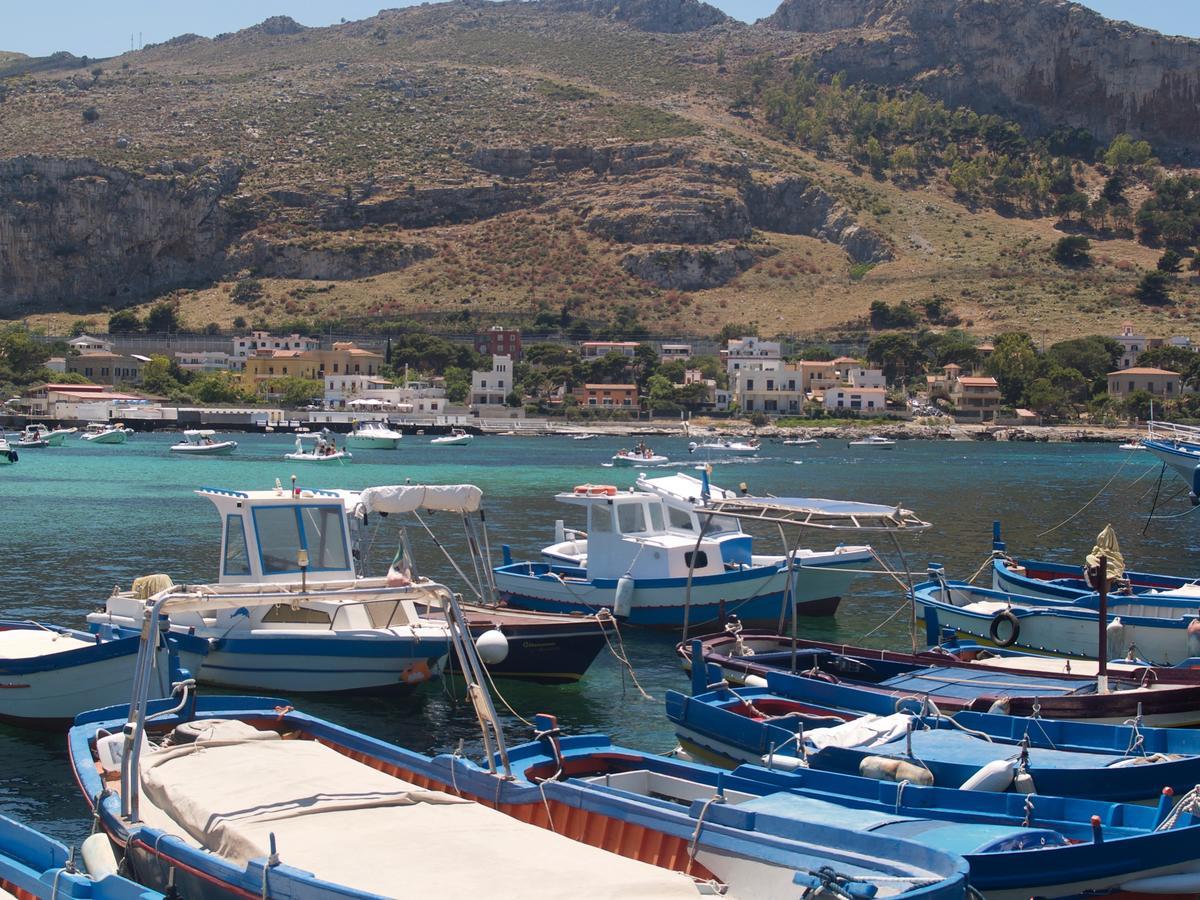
633, 534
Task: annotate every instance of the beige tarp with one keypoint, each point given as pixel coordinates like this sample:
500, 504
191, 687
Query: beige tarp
1108, 547
350, 824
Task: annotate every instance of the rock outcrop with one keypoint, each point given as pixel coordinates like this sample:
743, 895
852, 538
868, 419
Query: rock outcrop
73, 230
664, 16
359, 259
688, 268
797, 206
1042, 62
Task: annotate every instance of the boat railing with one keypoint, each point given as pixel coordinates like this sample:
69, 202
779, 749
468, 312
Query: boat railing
1174, 433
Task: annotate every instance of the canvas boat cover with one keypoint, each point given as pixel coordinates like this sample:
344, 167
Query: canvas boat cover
29, 643
1108, 547
407, 498
352, 825
818, 512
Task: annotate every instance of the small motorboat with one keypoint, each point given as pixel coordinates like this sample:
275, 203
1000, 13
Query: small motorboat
324, 450
8, 455
801, 442
373, 436
583, 437
50, 674
641, 455
726, 447
36, 436
873, 440
456, 438
199, 442
36, 867
1132, 445
105, 433
789, 725
871, 680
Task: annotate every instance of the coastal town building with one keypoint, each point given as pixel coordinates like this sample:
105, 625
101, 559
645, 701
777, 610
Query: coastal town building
858, 389
490, 388
620, 395
106, 367
344, 358
499, 341
81, 402
670, 352
371, 391
976, 398
751, 353
598, 349
1133, 345
1159, 382
85, 343
209, 361
258, 341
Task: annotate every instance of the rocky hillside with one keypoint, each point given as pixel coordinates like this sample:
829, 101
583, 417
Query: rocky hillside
469, 160
1043, 62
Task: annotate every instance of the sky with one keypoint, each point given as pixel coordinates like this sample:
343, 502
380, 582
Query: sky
98, 29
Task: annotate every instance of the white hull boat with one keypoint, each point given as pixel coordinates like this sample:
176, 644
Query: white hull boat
34, 436
8, 455
199, 442
48, 674
725, 448
456, 438
1179, 447
102, 433
324, 450
801, 442
373, 436
879, 443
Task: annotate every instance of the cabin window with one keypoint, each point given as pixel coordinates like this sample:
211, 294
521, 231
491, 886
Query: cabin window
656, 517
283, 612
237, 558
284, 530
323, 535
601, 519
680, 519
630, 518
278, 539
700, 557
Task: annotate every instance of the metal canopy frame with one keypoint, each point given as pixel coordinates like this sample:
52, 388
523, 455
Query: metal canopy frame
831, 515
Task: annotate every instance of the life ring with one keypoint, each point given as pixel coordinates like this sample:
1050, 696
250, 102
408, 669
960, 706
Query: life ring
994, 631
596, 490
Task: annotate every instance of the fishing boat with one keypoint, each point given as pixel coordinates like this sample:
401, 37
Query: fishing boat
456, 438
334, 628
105, 433
801, 442
1178, 446
373, 436
726, 447
249, 797
8, 455
1017, 847
873, 440
41, 436
50, 674
789, 725
199, 442
822, 577
641, 455
36, 867
695, 571
324, 450
866, 676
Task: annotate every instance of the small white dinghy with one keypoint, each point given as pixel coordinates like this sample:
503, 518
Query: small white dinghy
641, 455
106, 433
727, 447
456, 438
199, 442
324, 450
8, 455
801, 442
873, 440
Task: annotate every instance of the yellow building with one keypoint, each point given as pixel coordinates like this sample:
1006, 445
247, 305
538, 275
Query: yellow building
343, 359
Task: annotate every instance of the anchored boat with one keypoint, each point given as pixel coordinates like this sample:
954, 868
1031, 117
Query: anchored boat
373, 436
106, 433
40, 436
324, 450
726, 447
8, 455
1178, 446
199, 442
456, 438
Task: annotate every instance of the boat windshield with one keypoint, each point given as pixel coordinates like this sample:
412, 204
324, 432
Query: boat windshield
283, 531
237, 558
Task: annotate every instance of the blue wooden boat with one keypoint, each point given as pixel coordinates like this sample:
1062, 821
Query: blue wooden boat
1178, 446
789, 721
284, 804
36, 867
953, 683
1018, 846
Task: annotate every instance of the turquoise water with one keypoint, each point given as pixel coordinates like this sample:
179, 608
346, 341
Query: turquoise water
79, 519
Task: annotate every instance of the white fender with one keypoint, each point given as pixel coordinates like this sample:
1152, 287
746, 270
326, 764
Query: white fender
98, 856
784, 763
996, 776
623, 598
883, 768
492, 646
754, 681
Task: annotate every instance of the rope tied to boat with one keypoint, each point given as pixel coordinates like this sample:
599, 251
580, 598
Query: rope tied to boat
694, 843
603, 617
828, 880
1137, 740
1188, 803
1027, 822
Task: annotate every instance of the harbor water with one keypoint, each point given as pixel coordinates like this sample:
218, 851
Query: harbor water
79, 519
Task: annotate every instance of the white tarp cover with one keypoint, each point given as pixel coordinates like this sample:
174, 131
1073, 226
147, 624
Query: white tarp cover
861, 733
23, 643
406, 498
350, 824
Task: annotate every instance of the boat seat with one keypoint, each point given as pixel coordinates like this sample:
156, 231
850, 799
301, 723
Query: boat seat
342, 821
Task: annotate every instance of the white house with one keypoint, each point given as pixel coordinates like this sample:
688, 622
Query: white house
1132, 345
208, 361
250, 344
752, 353
351, 391
491, 387
863, 400
85, 342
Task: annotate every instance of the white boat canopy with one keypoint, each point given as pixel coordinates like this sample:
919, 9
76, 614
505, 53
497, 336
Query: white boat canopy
815, 512
407, 498
199, 432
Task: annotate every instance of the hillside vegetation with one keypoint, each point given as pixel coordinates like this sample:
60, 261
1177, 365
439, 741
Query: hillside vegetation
468, 163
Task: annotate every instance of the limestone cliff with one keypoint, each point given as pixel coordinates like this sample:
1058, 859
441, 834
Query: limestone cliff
665, 16
1044, 62
73, 230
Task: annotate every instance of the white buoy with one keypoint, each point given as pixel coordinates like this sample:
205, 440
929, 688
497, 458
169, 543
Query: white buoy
623, 599
98, 856
755, 681
996, 776
492, 646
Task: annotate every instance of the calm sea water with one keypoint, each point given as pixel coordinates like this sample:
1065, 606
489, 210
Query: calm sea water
79, 519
